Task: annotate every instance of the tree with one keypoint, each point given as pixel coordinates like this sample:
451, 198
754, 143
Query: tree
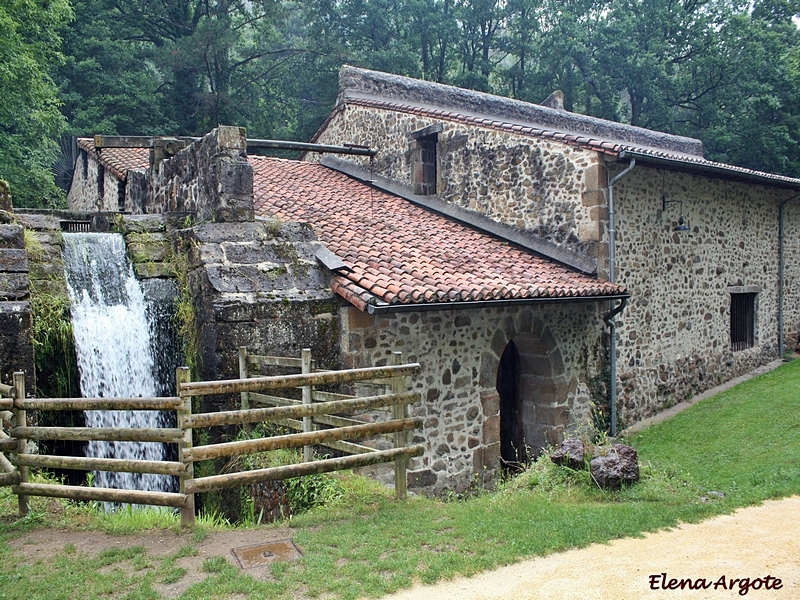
177, 66
30, 121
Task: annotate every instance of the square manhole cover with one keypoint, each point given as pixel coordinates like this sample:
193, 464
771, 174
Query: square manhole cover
260, 555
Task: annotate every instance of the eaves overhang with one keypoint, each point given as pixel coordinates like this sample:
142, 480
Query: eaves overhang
384, 308
705, 167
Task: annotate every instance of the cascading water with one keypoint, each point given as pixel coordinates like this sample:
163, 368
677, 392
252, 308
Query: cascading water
114, 350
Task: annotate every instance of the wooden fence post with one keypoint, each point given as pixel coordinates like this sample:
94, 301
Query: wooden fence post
305, 357
20, 418
399, 411
182, 375
243, 375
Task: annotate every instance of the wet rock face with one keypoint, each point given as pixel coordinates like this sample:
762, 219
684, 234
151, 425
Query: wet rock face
618, 468
570, 454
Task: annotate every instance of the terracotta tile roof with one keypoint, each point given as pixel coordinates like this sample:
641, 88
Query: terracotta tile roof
117, 160
402, 254
611, 148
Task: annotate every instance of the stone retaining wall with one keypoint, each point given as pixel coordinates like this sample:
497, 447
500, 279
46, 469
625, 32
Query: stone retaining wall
16, 327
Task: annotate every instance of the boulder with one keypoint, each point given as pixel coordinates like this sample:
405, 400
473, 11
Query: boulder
620, 466
569, 454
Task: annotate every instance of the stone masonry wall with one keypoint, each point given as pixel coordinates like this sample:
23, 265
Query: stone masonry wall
548, 188
16, 326
459, 352
258, 285
211, 178
674, 337
94, 188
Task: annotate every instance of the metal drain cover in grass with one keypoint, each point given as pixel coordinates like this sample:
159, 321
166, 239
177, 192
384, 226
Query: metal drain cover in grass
260, 555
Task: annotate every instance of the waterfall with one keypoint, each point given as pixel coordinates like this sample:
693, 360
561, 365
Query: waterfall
115, 352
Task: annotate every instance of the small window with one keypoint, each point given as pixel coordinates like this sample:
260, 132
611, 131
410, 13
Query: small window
424, 161
428, 152
743, 321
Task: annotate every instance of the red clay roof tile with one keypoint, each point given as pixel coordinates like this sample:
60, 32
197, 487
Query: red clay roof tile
117, 160
401, 253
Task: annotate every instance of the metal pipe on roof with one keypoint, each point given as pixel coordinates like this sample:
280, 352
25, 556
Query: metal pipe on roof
612, 275
780, 273
380, 309
117, 141
307, 147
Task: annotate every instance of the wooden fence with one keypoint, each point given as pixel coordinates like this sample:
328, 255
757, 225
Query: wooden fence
325, 411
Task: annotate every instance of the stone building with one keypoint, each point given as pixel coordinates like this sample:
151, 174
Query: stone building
477, 241
705, 302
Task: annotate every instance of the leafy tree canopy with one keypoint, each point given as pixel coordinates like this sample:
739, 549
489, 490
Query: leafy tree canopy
30, 120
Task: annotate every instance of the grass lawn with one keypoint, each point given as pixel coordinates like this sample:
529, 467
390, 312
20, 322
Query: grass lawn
743, 443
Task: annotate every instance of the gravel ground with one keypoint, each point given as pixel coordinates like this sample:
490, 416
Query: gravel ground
752, 543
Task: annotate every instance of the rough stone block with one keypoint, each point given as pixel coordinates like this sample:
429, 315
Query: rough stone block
589, 232
490, 400
421, 479
12, 236
13, 260
359, 320
14, 286
491, 430
596, 177
543, 390
488, 372
35, 221
142, 223
143, 252
552, 415
150, 270
593, 198
232, 137
491, 456
16, 342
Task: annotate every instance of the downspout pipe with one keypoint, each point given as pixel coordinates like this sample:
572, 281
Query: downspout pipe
612, 277
780, 274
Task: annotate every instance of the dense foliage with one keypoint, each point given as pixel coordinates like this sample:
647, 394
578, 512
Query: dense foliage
726, 71
30, 121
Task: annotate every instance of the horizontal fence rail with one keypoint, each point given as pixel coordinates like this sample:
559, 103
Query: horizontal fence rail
99, 434
298, 440
256, 415
318, 417
74, 492
215, 482
81, 463
256, 384
173, 403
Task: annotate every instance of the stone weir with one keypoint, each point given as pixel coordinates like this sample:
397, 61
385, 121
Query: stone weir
256, 284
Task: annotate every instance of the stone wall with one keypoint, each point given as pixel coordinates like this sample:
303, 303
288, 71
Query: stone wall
459, 352
211, 178
674, 337
95, 188
259, 285
16, 326
548, 188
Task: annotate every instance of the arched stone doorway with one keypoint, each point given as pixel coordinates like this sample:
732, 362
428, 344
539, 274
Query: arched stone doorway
533, 390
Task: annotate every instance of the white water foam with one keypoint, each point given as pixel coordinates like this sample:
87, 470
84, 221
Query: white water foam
113, 348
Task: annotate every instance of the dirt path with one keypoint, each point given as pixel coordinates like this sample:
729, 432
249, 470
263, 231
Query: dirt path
751, 543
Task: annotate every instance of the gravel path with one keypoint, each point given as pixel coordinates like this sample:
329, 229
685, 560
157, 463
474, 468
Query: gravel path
752, 543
